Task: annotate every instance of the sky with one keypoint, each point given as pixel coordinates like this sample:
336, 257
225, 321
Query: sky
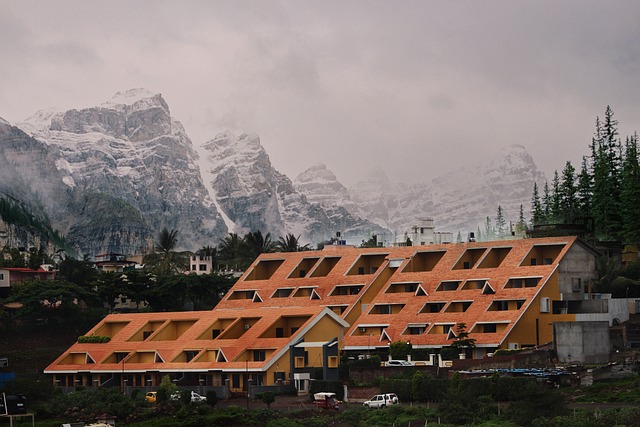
414, 88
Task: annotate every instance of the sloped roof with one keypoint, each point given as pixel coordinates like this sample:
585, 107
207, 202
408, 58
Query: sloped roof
415, 293
169, 335
466, 291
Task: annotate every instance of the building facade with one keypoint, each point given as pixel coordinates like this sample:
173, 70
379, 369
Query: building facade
290, 314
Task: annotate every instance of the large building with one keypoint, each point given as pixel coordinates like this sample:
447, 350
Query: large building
290, 314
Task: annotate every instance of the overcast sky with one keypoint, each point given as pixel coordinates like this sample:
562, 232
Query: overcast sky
414, 87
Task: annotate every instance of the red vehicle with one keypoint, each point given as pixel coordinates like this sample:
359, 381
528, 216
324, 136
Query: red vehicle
326, 400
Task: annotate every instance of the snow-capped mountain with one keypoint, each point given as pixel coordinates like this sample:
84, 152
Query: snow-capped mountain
257, 197
459, 201
114, 175
108, 178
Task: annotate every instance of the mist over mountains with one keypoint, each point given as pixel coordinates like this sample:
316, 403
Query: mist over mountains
109, 177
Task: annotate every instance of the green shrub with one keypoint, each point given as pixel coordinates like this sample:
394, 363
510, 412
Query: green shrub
212, 398
93, 339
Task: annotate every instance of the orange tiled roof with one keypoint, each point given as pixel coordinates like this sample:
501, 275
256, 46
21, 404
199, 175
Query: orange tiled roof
474, 287
383, 294
176, 332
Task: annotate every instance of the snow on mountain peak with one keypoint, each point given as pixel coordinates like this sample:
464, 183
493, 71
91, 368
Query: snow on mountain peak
316, 173
129, 97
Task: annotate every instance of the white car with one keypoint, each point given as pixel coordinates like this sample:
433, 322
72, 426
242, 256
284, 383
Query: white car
195, 397
381, 400
398, 363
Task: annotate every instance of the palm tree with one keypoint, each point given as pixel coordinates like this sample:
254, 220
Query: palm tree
208, 251
290, 243
255, 244
165, 259
229, 250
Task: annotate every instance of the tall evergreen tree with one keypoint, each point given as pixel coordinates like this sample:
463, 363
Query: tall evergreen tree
489, 233
537, 213
501, 223
584, 190
556, 198
546, 204
606, 179
630, 191
521, 226
568, 193
613, 149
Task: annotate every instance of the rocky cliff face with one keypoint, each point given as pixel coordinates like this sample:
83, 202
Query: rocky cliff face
114, 175
459, 201
257, 197
108, 178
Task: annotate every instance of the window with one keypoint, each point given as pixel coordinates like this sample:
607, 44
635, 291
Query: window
576, 284
299, 362
203, 267
1, 276
282, 293
433, 307
189, 355
193, 267
333, 362
259, 355
545, 305
215, 333
490, 328
146, 334
415, 330
360, 270
346, 290
279, 332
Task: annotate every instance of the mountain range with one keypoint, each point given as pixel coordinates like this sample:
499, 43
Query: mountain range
109, 177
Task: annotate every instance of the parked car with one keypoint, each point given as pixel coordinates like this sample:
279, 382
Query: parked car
151, 396
392, 398
397, 363
195, 397
381, 400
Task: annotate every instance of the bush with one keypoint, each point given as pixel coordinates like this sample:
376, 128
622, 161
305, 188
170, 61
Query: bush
212, 398
93, 339
401, 387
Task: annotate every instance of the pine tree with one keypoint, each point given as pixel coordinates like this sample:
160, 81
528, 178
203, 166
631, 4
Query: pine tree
556, 197
478, 235
489, 233
546, 204
568, 191
630, 191
584, 190
501, 224
537, 213
606, 179
613, 149
521, 226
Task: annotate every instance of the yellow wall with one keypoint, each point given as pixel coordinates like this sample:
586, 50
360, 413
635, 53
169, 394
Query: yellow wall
525, 330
